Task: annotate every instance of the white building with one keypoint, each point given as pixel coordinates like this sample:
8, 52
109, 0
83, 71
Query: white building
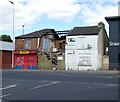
7, 54
85, 47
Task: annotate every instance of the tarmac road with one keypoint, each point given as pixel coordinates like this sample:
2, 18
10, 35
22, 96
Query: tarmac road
58, 85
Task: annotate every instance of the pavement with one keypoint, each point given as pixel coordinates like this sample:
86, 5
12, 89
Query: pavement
73, 71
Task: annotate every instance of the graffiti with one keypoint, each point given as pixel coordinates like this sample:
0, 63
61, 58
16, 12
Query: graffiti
84, 60
20, 60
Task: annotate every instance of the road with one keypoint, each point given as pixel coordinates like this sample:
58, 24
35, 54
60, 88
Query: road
58, 85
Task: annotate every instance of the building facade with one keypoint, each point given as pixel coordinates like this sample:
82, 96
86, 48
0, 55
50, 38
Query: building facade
43, 49
28, 47
114, 42
85, 47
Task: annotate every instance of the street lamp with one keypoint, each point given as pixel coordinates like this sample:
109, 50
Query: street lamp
13, 16
23, 28
13, 33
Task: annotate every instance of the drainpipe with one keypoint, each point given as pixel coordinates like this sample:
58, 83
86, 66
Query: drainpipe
38, 43
12, 59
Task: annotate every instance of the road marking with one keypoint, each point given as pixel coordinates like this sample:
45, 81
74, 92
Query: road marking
5, 95
105, 84
89, 87
8, 87
109, 77
112, 85
55, 82
97, 84
56, 74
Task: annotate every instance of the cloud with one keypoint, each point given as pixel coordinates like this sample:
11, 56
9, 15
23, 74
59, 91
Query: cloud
29, 12
95, 12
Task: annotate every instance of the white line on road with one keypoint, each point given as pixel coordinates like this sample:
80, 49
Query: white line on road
109, 77
97, 84
105, 84
8, 87
55, 82
5, 95
56, 74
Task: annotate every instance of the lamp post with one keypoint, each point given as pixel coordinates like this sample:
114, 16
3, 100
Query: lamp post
13, 17
23, 28
13, 34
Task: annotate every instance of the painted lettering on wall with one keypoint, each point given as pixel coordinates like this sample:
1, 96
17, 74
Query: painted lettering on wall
114, 43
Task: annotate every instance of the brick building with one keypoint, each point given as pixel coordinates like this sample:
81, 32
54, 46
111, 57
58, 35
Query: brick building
31, 48
43, 49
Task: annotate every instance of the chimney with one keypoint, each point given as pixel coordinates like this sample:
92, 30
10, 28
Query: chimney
101, 24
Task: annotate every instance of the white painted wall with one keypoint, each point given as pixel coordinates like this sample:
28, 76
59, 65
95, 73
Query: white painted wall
7, 46
81, 53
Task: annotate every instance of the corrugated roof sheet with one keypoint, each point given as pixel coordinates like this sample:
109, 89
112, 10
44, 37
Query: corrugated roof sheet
7, 46
91, 30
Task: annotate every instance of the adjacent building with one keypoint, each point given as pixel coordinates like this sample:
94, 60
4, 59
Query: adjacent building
6, 54
114, 42
29, 46
85, 48
43, 49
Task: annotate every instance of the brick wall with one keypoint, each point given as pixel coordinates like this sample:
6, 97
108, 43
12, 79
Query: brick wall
34, 44
20, 44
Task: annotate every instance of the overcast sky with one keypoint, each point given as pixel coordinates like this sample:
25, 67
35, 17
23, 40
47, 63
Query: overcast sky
56, 14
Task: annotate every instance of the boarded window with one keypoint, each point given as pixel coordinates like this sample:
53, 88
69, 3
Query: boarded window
27, 44
45, 45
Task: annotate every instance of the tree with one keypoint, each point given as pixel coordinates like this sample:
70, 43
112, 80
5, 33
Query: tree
5, 37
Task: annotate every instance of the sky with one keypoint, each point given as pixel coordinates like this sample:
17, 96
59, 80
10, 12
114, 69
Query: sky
55, 14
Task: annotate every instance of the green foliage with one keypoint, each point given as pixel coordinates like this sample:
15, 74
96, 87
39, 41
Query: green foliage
5, 38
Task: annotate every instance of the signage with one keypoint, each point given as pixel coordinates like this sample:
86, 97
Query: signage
60, 58
24, 52
116, 44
